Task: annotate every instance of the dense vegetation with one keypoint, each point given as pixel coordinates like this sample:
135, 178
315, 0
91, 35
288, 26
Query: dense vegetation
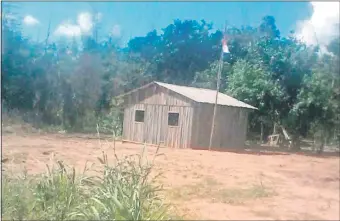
71, 84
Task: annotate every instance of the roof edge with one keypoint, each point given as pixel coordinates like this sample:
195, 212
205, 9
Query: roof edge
160, 85
249, 106
136, 89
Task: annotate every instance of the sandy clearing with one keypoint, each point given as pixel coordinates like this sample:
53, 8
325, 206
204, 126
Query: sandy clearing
205, 184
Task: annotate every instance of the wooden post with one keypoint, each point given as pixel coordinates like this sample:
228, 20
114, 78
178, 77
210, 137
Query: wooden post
219, 71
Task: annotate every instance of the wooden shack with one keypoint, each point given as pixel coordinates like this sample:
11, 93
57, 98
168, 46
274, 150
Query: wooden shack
181, 117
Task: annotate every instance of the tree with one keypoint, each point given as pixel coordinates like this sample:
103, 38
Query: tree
184, 48
72, 86
252, 84
318, 103
268, 28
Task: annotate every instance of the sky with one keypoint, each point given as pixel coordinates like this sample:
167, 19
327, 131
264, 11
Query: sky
125, 20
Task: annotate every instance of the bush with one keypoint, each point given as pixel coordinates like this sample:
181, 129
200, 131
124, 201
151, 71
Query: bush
123, 191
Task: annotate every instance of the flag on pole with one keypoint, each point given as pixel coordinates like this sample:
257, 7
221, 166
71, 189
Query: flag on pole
225, 46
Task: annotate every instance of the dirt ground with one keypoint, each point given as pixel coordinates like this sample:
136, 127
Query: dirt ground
204, 184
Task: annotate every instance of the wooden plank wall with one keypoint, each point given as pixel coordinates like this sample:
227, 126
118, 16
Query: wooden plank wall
155, 129
157, 95
157, 102
133, 130
180, 136
230, 127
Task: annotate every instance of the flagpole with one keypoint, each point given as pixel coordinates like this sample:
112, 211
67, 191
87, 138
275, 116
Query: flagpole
219, 71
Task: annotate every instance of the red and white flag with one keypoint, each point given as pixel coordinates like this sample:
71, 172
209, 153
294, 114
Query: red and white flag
225, 46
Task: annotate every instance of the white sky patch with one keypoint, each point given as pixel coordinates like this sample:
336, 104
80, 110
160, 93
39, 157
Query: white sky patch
68, 29
85, 22
116, 31
30, 20
83, 26
323, 25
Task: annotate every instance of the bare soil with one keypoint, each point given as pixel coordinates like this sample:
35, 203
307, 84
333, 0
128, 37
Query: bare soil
203, 184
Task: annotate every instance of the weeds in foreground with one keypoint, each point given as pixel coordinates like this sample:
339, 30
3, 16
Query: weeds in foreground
123, 191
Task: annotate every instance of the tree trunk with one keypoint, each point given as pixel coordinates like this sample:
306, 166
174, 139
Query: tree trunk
261, 138
295, 145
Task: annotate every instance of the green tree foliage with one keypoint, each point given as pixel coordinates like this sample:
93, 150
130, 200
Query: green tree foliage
319, 100
184, 48
254, 85
72, 83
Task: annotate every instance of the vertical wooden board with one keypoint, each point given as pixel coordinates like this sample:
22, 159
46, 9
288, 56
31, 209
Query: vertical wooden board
198, 125
232, 129
172, 130
201, 119
182, 129
153, 131
190, 131
228, 127
160, 125
128, 123
224, 125
138, 130
228, 143
228, 134
220, 127
235, 129
153, 123
244, 124
194, 141
183, 123
147, 122
208, 112
164, 125
125, 124
179, 136
171, 136
186, 129
132, 123
240, 128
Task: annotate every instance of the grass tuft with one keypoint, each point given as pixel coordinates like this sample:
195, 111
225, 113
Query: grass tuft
122, 191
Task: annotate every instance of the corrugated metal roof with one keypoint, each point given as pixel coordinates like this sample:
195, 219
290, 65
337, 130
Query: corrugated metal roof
202, 95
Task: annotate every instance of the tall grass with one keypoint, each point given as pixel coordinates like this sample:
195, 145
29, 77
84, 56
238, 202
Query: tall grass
122, 191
